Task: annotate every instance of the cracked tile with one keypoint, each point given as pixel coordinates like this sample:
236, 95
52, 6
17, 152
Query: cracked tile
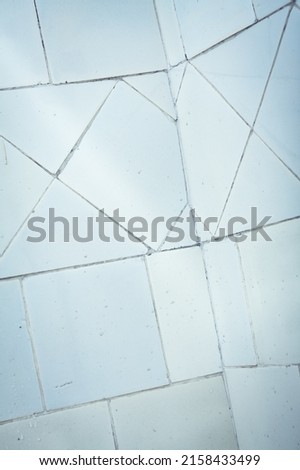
261, 192
279, 117
45, 122
184, 313
176, 76
18, 175
156, 88
20, 395
186, 416
230, 304
170, 31
266, 407
131, 146
205, 23
239, 68
265, 7
272, 280
107, 39
105, 344
64, 249
87, 427
213, 139
22, 59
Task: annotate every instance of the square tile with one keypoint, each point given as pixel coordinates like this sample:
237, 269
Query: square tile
272, 279
205, 23
184, 313
229, 302
22, 59
103, 39
20, 395
186, 416
266, 407
87, 427
90, 342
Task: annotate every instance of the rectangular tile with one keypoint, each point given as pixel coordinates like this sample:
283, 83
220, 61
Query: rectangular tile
186, 416
184, 313
107, 39
22, 59
272, 279
95, 332
230, 305
19, 389
87, 427
266, 407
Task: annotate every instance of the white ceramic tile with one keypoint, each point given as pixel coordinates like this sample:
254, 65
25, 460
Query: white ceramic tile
265, 7
131, 149
156, 88
185, 416
20, 394
266, 407
105, 344
87, 427
45, 122
170, 31
229, 302
27, 256
272, 277
107, 39
184, 313
239, 68
21, 55
279, 117
176, 76
260, 176
213, 138
205, 23
22, 182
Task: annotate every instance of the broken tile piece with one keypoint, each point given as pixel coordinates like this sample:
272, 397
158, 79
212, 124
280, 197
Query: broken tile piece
87, 427
205, 23
46, 122
91, 343
184, 313
22, 59
266, 409
239, 68
176, 76
22, 183
185, 416
20, 395
107, 39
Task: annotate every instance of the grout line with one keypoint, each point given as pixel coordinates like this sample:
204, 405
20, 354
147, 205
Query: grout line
161, 33
104, 400
169, 231
35, 359
249, 315
42, 41
113, 426
157, 320
77, 143
256, 115
180, 30
237, 33
254, 11
181, 82
26, 218
219, 346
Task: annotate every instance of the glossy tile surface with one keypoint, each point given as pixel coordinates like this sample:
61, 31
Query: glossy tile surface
186, 416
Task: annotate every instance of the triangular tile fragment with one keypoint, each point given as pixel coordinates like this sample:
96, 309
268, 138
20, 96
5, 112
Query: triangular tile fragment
263, 182
45, 122
176, 75
239, 68
156, 88
26, 256
22, 182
